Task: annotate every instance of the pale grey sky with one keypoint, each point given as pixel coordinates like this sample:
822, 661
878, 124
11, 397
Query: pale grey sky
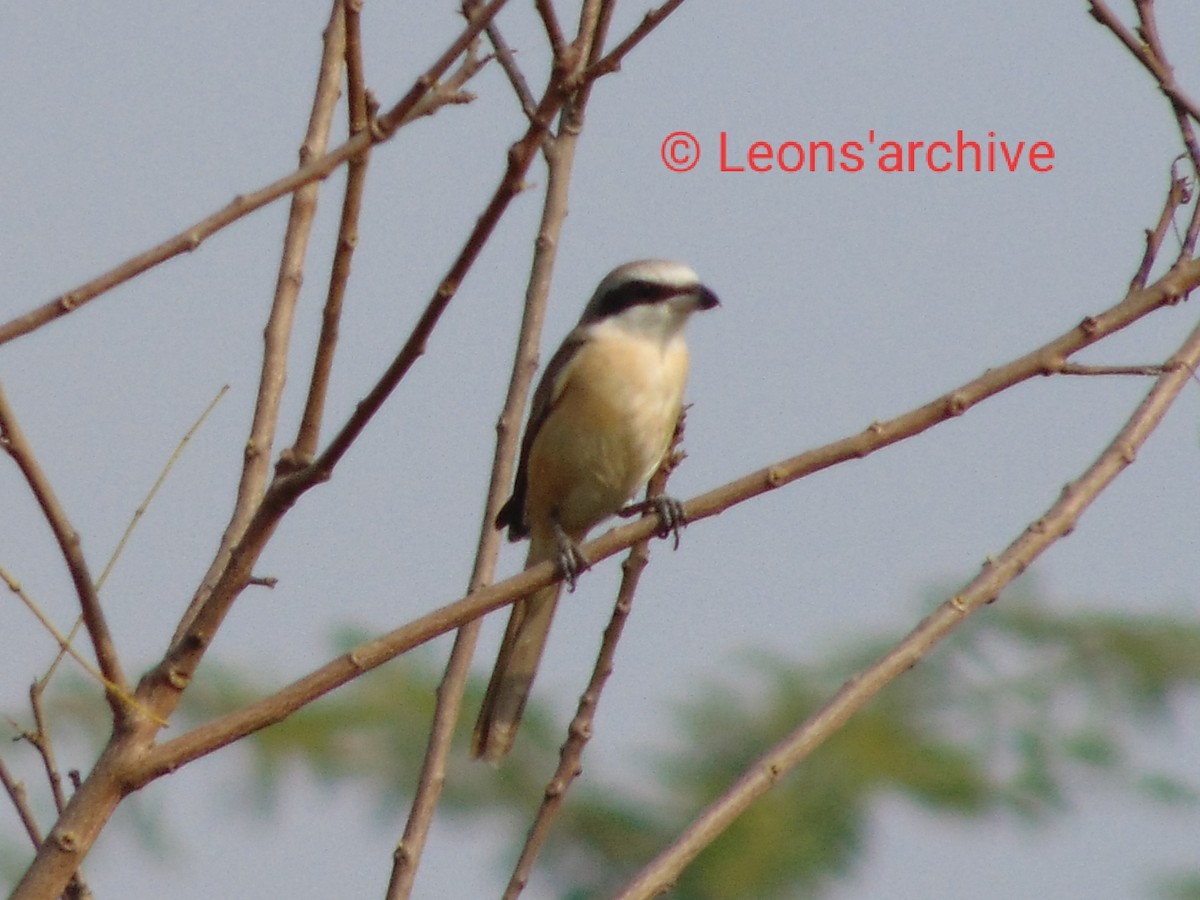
848, 297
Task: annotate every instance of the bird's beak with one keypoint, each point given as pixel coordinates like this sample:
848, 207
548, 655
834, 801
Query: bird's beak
706, 299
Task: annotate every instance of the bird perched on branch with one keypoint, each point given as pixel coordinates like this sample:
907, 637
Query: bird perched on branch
600, 424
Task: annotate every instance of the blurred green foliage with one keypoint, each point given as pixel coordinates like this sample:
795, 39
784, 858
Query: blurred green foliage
1015, 711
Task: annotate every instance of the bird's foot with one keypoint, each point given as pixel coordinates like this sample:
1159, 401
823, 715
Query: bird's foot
571, 560
671, 519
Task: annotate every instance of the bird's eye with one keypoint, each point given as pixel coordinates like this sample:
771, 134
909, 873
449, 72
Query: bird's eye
633, 293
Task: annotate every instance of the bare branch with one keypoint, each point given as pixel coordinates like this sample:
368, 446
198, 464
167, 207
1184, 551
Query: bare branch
1168, 290
167, 680
1147, 48
508, 62
401, 113
16, 793
98, 796
131, 759
305, 446
512, 182
1177, 195
356, 83
40, 740
1058, 522
554, 34
1080, 369
64, 644
193, 236
612, 62
278, 332
370, 654
1143, 53
449, 92
362, 112
118, 768
1180, 104
13, 441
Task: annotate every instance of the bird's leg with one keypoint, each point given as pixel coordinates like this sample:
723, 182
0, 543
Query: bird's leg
571, 560
671, 519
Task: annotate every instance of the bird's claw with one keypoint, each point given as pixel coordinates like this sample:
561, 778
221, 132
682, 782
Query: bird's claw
671, 518
571, 560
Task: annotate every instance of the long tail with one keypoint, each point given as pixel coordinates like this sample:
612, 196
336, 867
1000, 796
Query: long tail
517, 664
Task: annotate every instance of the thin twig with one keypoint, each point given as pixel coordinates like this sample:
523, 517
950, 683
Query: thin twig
1155, 65
1148, 29
76, 888
996, 574
554, 34
1177, 194
597, 14
507, 60
585, 38
231, 727
612, 61
402, 112
193, 236
1192, 235
356, 81
256, 457
449, 92
65, 646
13, 441
508, 63
158, 483
359, 114
133, 523
16, 793
1081, 369
40, 740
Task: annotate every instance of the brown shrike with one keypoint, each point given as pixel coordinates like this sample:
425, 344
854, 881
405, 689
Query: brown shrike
600, 423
